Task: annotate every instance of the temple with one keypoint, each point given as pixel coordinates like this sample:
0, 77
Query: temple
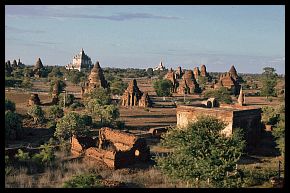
171, 76
38, 68
230, 80
188, 85
80, 61
134, 97
159, 67
96, 79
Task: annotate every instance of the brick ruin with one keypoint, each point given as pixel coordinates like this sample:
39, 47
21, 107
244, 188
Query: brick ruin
247, 118
210, 103
96, 79
188, 85
203, 71
134, 97
116, 149
233, 73
171, 76
230, 80
145, 100
55, 92
178, 73
196, 73
33, 100
37, 68
241, 98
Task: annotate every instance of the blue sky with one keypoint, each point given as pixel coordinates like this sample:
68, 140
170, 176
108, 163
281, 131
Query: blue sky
249, 37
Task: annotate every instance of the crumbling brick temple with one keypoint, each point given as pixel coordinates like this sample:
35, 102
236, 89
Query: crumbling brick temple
38, 68
96, 79
230, 80
171, 76
188, 84
178, 73
247, 118
134, 97
115, 148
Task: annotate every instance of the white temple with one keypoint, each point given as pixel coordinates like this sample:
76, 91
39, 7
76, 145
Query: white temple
159, 67
80, 61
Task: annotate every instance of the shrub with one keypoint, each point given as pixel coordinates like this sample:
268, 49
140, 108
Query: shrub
84, 181
9, 105
45, 156
11, 82
269, 81
55, 111
222, 95
101, 95
257, 177
269, 115
87, 120
13, 128
200, 151
26, 83
22, 156
68, 100
61, 85
74, 76
71, 123
76, 104
106, 113
118, 87
51, 124
120, 124
163, 87
37, 113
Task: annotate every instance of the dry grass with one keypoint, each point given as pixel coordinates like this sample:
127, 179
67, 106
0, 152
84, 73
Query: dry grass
19, 179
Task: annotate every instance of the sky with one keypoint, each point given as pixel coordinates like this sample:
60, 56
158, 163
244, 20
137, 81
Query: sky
140, 36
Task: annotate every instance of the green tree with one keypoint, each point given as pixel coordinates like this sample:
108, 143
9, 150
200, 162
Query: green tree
61, 85
37, 113
18, 73
69, 99
27, 72
100, 94
26, 83
270, 115
13, 128
118, 87
163, 87
55, 112
8, 68
269, 81
46, 156
222, 95
202, 81
201, 151
149, 71
74, 76
106, 113
22, 156
55, 72
109, 114
9, 105
71, 123
279, 129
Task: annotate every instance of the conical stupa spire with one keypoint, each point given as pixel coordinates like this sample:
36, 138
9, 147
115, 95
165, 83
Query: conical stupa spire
233, 71
241, 99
